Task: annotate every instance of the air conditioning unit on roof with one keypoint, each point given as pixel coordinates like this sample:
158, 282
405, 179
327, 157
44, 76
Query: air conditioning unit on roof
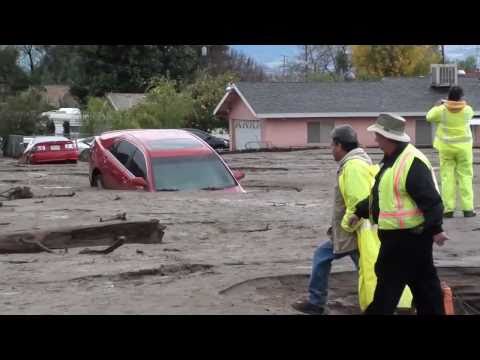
444, 75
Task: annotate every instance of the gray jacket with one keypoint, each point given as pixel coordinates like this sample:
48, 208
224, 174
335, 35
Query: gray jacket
342, 240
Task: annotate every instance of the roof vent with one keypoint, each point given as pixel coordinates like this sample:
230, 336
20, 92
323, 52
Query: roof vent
444, 75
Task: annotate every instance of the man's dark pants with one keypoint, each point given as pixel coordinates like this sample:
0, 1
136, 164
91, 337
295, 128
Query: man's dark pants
406, 259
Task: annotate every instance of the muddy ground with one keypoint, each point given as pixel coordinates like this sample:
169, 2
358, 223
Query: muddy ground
221, 253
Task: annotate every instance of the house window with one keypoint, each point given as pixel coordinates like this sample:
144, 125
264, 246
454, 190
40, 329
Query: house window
318, 132
313, 132
423, 132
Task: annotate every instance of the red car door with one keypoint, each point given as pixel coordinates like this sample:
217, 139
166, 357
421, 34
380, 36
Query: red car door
105, 162
111, 164
118, 172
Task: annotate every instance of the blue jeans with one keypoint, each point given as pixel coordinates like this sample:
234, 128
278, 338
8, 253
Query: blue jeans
322, 264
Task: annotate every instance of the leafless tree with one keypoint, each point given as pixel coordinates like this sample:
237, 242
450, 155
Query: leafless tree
33, 55
314, 60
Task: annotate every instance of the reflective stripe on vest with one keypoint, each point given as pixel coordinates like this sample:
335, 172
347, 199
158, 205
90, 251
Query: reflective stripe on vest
453, 139
405, 214
402, 215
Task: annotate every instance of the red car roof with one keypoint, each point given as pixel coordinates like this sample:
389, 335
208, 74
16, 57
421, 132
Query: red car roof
46, 139
163, 142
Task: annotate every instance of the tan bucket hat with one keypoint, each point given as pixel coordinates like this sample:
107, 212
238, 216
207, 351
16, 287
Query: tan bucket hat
392, 126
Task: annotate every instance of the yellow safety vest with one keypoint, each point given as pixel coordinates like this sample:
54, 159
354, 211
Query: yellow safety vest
397, 209
454, 128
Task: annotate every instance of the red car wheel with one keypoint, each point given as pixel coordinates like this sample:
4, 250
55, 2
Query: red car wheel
98, 181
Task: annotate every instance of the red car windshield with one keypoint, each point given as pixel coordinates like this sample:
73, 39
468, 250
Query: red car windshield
191, 173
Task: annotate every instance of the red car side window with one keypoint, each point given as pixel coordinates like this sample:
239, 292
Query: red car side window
123, 151
137, 165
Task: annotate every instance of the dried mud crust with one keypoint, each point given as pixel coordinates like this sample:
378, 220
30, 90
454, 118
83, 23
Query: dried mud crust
173, 271
279, 292
271, 230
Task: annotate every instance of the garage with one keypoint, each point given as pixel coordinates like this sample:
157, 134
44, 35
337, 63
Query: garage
248, 134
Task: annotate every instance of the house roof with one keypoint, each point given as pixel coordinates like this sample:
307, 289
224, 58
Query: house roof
124, 101
406, 96
56, 93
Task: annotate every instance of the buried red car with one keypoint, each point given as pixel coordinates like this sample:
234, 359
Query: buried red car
159, 160
50, 149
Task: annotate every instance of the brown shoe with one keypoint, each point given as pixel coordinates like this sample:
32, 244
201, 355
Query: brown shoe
448, 215
306, 307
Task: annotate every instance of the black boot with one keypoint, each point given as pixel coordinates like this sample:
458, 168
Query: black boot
469, 213
308, 308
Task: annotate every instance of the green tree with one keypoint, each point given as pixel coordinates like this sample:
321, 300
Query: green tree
97, 116
469, 64
165, 106
93, 70
12, 77
21, 114
205, 93
60, 64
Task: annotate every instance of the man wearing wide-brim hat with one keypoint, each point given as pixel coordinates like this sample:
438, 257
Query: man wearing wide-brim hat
406, 205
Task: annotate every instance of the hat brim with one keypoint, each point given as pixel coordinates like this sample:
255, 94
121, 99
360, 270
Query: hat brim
378, 129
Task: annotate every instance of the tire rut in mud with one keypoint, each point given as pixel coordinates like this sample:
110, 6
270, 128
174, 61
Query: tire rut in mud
163, 270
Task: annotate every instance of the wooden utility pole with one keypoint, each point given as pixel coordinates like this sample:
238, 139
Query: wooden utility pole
284, 67
306, 62
443, 53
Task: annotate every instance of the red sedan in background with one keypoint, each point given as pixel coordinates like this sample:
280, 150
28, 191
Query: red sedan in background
50, 149
159, 160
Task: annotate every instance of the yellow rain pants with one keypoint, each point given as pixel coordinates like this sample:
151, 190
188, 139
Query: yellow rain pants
369, 247
456, 164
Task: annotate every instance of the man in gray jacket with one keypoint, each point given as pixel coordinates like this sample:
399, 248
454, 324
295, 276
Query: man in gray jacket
342, 243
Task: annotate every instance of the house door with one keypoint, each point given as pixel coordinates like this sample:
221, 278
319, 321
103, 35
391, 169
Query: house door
423, 132
247, 134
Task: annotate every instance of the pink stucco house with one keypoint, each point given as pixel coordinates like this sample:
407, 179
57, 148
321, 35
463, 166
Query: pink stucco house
284, 115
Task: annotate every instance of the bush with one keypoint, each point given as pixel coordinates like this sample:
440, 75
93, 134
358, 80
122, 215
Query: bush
97, 116
21, 114
164, 107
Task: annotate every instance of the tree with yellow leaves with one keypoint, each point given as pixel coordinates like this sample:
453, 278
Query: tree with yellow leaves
372, 61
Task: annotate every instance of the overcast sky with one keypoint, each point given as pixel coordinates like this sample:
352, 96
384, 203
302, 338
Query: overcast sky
272, 55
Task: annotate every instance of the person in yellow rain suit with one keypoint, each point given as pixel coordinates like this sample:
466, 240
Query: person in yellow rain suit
453, 140
356, 176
